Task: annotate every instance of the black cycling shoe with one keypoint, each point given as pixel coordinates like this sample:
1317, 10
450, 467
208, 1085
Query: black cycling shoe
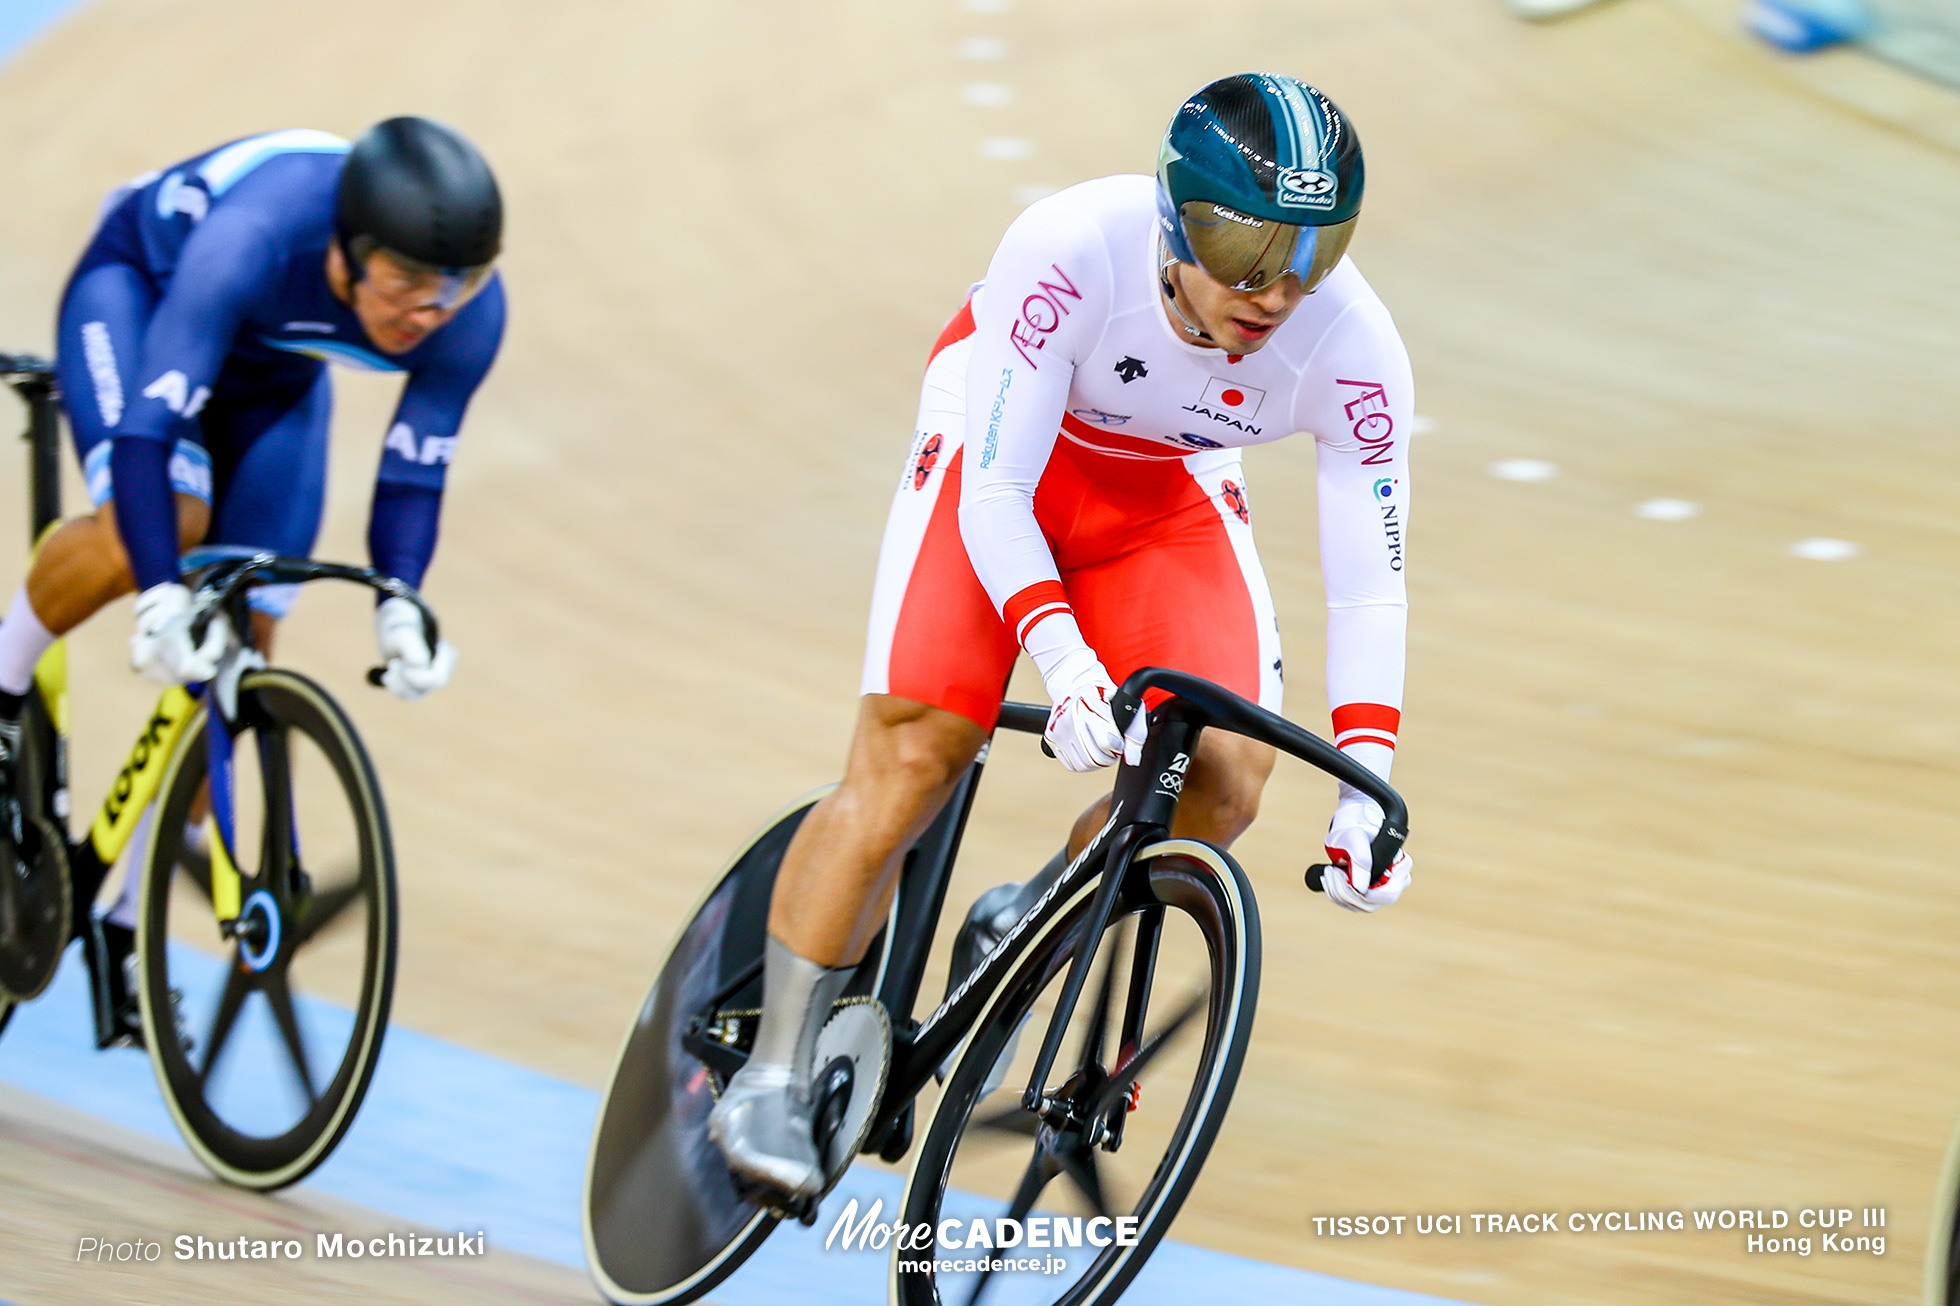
110, 950
993, 914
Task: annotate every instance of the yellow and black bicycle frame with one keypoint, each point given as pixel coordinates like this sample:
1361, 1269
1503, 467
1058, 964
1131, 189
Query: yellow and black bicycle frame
136, 783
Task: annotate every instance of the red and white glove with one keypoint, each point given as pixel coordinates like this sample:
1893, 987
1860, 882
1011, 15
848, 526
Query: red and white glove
1081, 730
1350, 878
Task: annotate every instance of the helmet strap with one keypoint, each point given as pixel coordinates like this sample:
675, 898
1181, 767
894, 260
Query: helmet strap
356, 269
1170, 293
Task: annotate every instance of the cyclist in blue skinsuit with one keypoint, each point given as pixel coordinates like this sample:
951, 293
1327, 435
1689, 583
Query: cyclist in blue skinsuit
191, 353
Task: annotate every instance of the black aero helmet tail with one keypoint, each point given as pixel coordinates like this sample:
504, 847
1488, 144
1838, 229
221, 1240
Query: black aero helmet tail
418, 189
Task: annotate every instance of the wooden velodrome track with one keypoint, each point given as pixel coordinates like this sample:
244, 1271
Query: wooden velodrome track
1686, 924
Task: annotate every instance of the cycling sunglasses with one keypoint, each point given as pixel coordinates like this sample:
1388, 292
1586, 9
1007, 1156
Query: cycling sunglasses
1247, 253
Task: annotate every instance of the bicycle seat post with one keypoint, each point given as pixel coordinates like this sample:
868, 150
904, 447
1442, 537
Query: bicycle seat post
33, 380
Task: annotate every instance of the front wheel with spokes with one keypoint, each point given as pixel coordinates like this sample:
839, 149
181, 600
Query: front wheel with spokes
264, 1034
1094, 1177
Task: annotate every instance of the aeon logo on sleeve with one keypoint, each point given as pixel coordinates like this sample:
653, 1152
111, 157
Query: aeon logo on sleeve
1041, 313
1374, 429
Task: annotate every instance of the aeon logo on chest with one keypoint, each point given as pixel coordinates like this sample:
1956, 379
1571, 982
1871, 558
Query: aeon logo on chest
1231, 402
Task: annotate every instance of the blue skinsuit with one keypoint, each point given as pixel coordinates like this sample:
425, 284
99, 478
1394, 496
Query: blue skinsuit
191, 352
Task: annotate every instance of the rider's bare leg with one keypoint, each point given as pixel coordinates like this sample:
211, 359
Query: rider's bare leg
79, 568
841, 869
82, 567
834, 885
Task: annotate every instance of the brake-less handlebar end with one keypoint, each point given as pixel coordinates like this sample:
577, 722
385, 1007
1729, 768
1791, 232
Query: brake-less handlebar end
1314, 873
377, 676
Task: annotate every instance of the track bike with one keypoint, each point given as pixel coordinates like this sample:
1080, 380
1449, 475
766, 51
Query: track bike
268, 877
1139, 964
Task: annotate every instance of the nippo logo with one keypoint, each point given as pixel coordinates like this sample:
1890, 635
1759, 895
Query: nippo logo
1306, 188
1385, 488
1240, 400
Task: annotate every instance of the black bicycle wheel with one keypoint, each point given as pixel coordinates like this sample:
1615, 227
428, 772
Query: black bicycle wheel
264, 1038
36, 895
1145, 1076
663, 1222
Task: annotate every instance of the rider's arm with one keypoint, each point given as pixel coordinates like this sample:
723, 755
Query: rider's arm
1359, 402
402, 526
1045, 305
225, 265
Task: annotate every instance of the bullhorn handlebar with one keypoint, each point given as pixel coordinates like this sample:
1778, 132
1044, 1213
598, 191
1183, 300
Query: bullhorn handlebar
1217, 707
222, 584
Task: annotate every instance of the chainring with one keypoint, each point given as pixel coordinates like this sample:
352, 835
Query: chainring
859, 1034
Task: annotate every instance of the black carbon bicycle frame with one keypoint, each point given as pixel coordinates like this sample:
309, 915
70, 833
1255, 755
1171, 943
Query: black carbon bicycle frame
1143, 804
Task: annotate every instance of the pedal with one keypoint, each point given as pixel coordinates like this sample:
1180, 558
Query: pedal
896, 1141
853, 1056
117, 1021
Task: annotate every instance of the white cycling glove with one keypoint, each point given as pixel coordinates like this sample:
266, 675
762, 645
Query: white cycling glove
162, 649
1349, 881
1081, 730
412, 669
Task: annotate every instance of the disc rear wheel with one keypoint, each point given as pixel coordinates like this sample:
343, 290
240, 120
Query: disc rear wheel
663, 1220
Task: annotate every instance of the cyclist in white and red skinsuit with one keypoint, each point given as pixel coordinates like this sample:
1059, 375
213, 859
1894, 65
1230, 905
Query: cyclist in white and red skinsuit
1075, 490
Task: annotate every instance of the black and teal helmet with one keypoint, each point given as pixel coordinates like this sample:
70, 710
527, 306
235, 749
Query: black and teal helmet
1260, 176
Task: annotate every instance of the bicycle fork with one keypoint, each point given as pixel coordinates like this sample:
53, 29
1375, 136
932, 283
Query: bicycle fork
1150, 791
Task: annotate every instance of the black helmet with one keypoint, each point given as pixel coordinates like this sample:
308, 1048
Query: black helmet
418, 190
